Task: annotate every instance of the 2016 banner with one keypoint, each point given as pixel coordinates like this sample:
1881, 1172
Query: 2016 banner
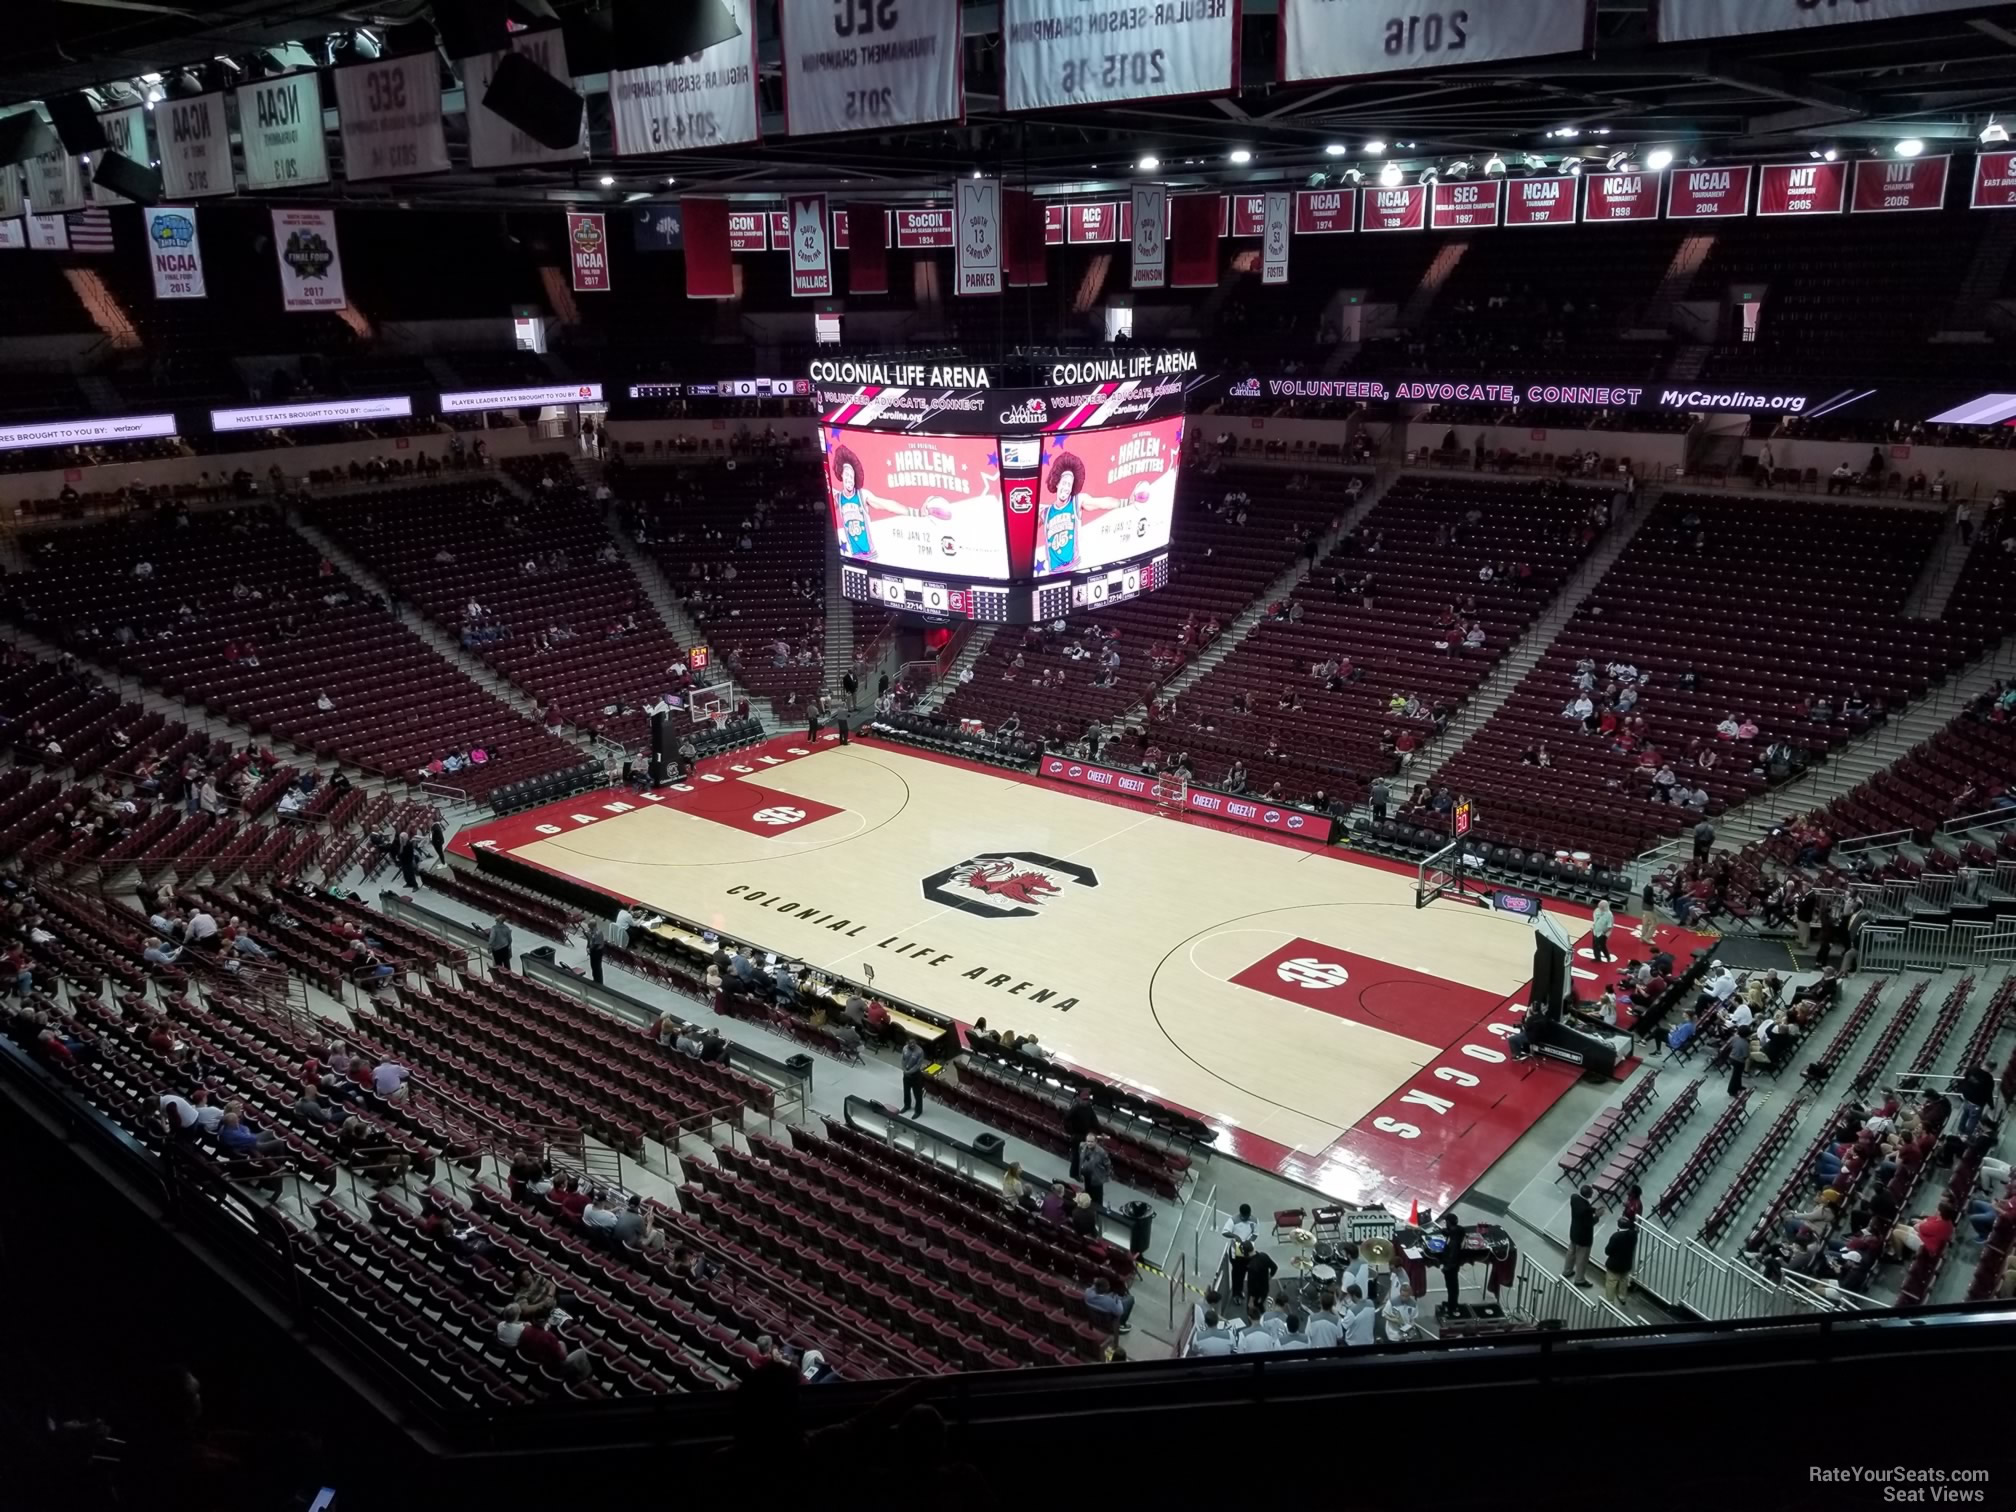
1802, 188
493, 141
869, 65
1464, 207
194, 139
1702, 20
55, 184
708, 100
977, 225
1150, 236
390, 115
1608, 197
1336, 39
811, 256
1540, 201
1274, 243
588, 252
280, 129
173, 252
1892, 184
311, 266
1324, 212
1400, 209
1708, 193
1090, 52
125, 134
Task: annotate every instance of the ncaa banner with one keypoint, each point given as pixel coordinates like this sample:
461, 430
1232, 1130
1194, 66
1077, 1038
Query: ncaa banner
1708, 193
173, 252
1151, 236
1277, 219
1610, 197
55, 183
493, 141
194, 140
1540, 201
125, 134
976, 225
1702, 20
1891, 184
1336, 39
390, 115
1095, 52
810, 248
707, 100
311, 267
868, 65
588, 252
12, 201
280, 130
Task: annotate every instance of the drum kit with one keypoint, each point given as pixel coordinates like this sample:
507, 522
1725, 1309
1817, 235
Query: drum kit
1321, 1262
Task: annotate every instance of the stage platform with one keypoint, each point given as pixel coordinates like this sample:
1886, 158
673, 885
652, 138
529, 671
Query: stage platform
1291, 995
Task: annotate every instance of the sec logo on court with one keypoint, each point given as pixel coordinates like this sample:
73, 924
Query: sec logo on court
778, 816
1310, 973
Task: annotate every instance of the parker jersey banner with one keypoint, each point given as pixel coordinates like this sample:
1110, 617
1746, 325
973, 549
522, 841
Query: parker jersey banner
1278, 217
1150, 228
390, 114
125, 134
1701, 20
55, 183
1404, 208
1337, 39
1610, 197
1092, 52
588, 252
1802, 188
193, 138
1464, 207
493, 141
1708, 193
173, 252
280, 129
976, 220
869, 65
811, 252
708, 100
1891, 184
1540, 201
311, 267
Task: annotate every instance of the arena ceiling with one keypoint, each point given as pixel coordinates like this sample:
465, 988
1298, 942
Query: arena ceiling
1854, 88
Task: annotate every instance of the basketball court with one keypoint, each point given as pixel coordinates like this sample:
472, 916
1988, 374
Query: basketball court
1290, 995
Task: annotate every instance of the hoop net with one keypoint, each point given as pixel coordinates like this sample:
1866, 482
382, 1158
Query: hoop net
710, 705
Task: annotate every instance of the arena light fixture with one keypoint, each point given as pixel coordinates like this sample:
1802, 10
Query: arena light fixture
1994, 131
1241, 156
607, 181
1571, 166
1390, 175
1338, 149
1149, 163
1909, 147
1459, 168
1494, 164
1657, 159
1375, 148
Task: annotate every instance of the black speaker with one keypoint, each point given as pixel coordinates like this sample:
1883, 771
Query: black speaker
657, 771
645, 33
25, 135
470, 28
76, 122
538, 104
121, 175
658, 736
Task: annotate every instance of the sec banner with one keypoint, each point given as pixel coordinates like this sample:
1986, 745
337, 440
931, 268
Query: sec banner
195, 146
708, 100
280, 129
173, 252
868, 65
390, 114
1892, 184
1091, 52
1336, 39
811, 256
1994, 181
1702, 20
1464, 207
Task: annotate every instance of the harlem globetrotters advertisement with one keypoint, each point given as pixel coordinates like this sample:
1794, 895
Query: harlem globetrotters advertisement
1106, 495
917, 503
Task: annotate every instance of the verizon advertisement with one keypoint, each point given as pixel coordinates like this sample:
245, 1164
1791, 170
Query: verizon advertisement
86, 432
1105, 495
1094, 52
1892, 184
862, 67
1464, 207
1267, 816
1708, 193
1620, 197
1337, 39
917, 503
1802, 189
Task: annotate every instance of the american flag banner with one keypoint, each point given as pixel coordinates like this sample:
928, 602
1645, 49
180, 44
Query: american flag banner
91, 231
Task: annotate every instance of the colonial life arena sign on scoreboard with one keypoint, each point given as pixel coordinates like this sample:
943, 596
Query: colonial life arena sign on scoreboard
1095, 52
1338, 39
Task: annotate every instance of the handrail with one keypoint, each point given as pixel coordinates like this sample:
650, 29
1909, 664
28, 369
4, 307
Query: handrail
1986, 819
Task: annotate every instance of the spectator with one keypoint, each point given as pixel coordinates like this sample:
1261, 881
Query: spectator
1095, 1169
500, 945
1109, 1305
1618, 1257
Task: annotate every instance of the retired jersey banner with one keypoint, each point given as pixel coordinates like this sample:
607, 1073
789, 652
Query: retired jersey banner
1338, 39
173, 252
1279, 217
1630, 196
55, 183
493, 141
280, 129
1404, 208
1095, 52
1890, 184
1464, 207
869, 65
125, 134
1708, 193
390, 115
923, 230
194, 140
1702, 20
311, 267
1540, 201
708, 100
811, 254
1150, 236
588, 252
1994, 181
1802, 188
976, 219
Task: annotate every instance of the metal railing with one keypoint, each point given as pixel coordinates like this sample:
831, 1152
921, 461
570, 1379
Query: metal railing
1928, 945
1686, 1276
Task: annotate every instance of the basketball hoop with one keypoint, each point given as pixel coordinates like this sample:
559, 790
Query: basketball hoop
1170, 792
710, 705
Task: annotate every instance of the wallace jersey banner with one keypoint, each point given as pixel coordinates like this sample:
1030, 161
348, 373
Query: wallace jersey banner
125, 134
1336, 39
173, 253
808, 241
708, 100
868, 65
390, 114
1701, 20
1090, 52
1276, 220
311, 269
55, 182
280, 129
493, 141
588, 252
976, 223
1151, 236
194, 141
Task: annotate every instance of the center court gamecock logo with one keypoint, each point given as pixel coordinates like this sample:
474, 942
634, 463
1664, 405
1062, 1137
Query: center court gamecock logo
778, 816
1005, 884
1307, 971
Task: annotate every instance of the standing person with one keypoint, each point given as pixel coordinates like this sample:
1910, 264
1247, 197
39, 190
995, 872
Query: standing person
850, 685
1242, 1231
814, 717
881, 687
1360, 1321
597, 943
1081, 1120
500, 945
407, 854
437, 835
1095, 1168
1737, 1047
1581, 1234
1380, 798
1600, 925
1977, 1095
913, 1077
1704, 840
1260, 1269
1618, 1256
1452, 1256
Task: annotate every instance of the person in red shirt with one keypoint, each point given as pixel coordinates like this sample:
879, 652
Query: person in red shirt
570, 1198
1932, 1234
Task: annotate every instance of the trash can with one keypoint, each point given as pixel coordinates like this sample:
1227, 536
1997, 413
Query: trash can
800, 1064
989, 1146
1140, 1225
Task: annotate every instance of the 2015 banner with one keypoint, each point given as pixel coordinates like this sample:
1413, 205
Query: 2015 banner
811, 255
869, 65
1608, 197
55, 183
390, 115
1708, 193
173, 252
311, 266
1702, 20
1336, 39
708, 100
280, 130
588, 252
1091, 52
1277, 216
125, 134
1802, 188
1893, 184
194, 138
1150, 236
977, 227
493, 141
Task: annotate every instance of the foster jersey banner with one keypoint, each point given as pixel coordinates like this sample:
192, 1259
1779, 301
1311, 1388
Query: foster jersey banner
173, 252
493, 141
390, 115
708, 100
1701, 20
125, 134
1092, 52
1337, 39
868, 65
1274, 244
194, 139
280, 129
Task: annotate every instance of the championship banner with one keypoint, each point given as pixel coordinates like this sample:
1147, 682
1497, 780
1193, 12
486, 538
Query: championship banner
1324, 212
1150, 238
1464, 207
708, 100
1890, 184
1401, 209
710, 261
865, 66
173, 252
1249, 216
923, 230
1053, 225
493, 141
867, 251
588, 252
311, 267
194, 140
280, 129
12, 201
1540, 201
780, 230
1339, 39
1708, 193
1088, 224
811, 256
748, 231
1097, 52
125, 134
1994, 181
1274, 245
390, 115
1630, 196
1802, 188
1193, 241
55, 183
47, 233
13, 235
1703, 20
977, 217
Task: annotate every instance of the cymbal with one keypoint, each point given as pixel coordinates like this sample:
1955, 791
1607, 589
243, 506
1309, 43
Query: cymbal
1376, 1251
1301, 1236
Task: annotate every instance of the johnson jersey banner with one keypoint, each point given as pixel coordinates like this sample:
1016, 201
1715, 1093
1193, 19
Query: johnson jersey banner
1274, 244
55, 183
708, 100
280, 129
193, 138
1323, 212
493, 141
588, 252
1336, 39
917, 503
1632, 196
977, 223
1401, 209
1105, 495
125, 134
1540, 201
1802, 188
1701, 20
311, 267
1092, 52
811, 253
390, 115
1708, 193
869, 65
173, 252
1890, 184
1464, 207
1150, 237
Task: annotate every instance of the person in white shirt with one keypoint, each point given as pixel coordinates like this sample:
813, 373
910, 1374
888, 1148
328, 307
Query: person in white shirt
1740, 1017
1213, 1338
1354, 1272
1254, 1339
1326, 1329
290, 802
599, 1214
1400, 1310
208, 1114
324, 702
619, 929
1721, 985
388, 1079
201, 926
180, 1110
1359, 1318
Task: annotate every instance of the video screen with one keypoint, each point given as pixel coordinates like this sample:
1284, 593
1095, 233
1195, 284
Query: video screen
922, 503
1106, 495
